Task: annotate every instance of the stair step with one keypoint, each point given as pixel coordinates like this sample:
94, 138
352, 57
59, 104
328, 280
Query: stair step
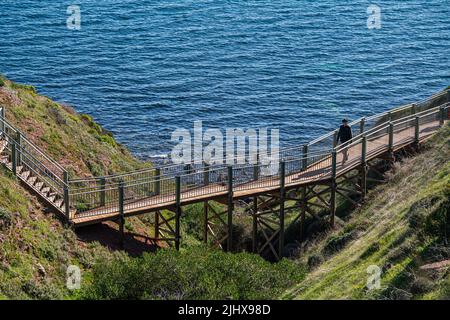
25, 174
32, 180
4, 159
18, 169
39, 185
45, 191
3, 144
59, 203
51, 198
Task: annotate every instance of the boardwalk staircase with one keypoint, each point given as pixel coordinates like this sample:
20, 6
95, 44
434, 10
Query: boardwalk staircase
91, 200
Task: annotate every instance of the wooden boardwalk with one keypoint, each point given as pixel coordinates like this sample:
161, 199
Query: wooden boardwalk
314, 173
305, 181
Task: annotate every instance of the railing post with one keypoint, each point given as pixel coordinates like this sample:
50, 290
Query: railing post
305, 157
177, 211
230, 209
417, 130
121, 213
157, 182
2, 116
391, 136
14, 158
66, 194
282, 199
335, 134
205, 173
333, 164
333, 187
102, 191
66, 202
390, 116
256, 168
363, 149
19, 143
363, 167
413, 108
205, 203
441, 116
362, 123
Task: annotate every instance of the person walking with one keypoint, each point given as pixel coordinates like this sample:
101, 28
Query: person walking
344, 135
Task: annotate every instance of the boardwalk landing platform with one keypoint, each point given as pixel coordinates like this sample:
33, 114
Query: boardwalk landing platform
306, 180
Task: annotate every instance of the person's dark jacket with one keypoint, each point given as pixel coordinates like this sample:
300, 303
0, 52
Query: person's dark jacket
344, 134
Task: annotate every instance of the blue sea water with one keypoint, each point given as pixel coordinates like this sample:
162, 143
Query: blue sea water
143, 68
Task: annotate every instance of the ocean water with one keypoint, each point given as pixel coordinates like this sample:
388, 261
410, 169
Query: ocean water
145, 68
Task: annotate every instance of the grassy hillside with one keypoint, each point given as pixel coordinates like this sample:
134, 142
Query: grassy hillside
36, 248
403, 229
74, 140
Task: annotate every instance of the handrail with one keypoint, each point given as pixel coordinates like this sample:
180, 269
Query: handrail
32, 145
313, 154
281, 150
159, 190
87, 193
59, 182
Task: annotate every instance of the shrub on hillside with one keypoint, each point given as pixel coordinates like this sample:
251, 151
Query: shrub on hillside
195, 273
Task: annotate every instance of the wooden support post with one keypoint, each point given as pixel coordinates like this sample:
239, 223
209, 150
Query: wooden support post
363, 167
255, 225
66, 195
156, 225
157, 182
305, 157
282, 199
205, 221
121, 214
417, 131
362, 124
14, 158
230, 209
333, 187
391, 136
304, 206
177, 212
102, 191
255, 209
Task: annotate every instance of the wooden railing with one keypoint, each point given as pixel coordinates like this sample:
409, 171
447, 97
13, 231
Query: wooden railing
153, 186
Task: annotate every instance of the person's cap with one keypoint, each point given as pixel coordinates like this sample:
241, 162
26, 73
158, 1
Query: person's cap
344, 120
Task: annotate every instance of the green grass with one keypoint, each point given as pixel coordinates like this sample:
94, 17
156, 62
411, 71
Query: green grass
75, 140
399, 224
399, 229
31, 241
